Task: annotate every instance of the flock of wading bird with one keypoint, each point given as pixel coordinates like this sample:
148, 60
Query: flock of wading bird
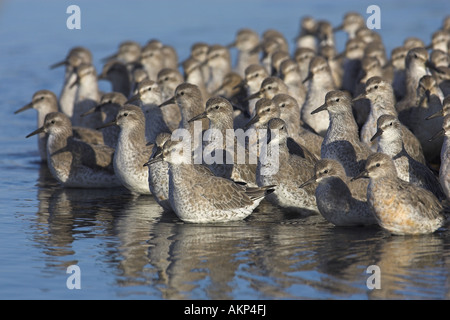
331, 118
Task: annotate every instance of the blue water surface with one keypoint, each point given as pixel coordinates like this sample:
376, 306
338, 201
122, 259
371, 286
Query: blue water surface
128, 248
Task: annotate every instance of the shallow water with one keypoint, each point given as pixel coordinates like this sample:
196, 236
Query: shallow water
128, 248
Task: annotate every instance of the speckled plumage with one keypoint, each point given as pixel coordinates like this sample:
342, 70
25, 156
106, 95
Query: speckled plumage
391, 143
382, 101
320, 82
45, 102
132, 150
341, 140
74, 163
278, 166
199, 197
219, 111
337, 199
400, 207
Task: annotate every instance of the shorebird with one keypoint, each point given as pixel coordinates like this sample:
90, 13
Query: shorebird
152, 59
352, 22
219, 62
45, 102
444, 169
303, 57
199, 51
416, 66
132, 149
307, 36
290, 114
382, 101
168, 80
254, 76
428, 102
128, 52
109, 105
398, 55
219, 138
353, 53
391, 143
193, 74
320, 82
400, 207
440, 41
341, 141
72, 162
270, 87
149, 97
198, 197
76, 57
290, 74
190, 102
87, 97
336, 200
278, 166
246, 41
158, 173
117, 74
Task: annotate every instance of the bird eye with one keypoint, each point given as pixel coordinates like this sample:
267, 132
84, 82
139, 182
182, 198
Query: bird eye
182, 93
52, 122
217, 107
166, 79
415, 56
149, 89
337, 100
269, 88
326, 171
41, 98
283, 105
377, 165
268, 109
376, 87
390, 124
257, 75
125, 114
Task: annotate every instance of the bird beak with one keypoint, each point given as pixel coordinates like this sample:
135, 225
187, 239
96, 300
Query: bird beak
92, 110
241, 84
231, 45
156, 157
338, 28
256, 95
438, 134
109, 124
308, 77
440, 113
200, 116
134, 98
25, 107
106, 59
101, 76
377, 134
360, 97
168, 102
308, 182
339, 56
59, 64
321, 108
252, 121
37, 131
363, 174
